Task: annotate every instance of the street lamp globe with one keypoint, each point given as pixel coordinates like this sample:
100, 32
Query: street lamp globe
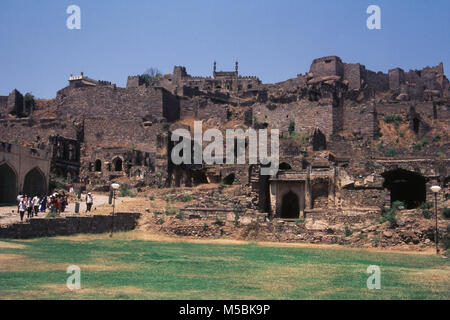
115, 186
435, 189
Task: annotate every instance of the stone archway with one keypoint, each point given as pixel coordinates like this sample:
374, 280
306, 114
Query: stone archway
290, 208
8, 184
229, 179
98, 165
319, 141
406, 186
284, 166
117, 164
34, 183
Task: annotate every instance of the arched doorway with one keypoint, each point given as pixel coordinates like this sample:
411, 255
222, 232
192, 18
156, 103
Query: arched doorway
34, 183
228, 180
406, 186
117, 164
199, 177
319, 141
98, 165
290, 208
8, 184
284, 166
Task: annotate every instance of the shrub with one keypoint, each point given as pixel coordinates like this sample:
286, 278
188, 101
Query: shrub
186, 198
305, 139
425, 209
171, 211
446, 213
348, 232
151, 198
424, 141
180, 215
161, 220
391, 152
393, 118
380, 146
219, 222
446, 240
397, 204
427, 214
417, 146
291, 128
389, 214
125, 192
205, 227
299, 221
437, 138
376, 241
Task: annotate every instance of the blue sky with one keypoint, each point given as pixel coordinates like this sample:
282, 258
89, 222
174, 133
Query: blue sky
274, 40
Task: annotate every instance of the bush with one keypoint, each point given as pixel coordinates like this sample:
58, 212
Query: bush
125, 192
205, 227
425, 209
161, 220
305, 139
446, 240
397, 204
348, 232
180, 215
437, 138
219, 222
186, 198
171, 211
391, 152
380, 146
299, 221
446, 213
417, 146
151, 198
393, 118
291, 128
389, 214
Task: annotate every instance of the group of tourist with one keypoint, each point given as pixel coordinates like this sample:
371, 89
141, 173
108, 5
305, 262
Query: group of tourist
56, 203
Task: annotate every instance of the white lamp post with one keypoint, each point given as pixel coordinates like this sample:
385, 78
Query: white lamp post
114, 186
436, 190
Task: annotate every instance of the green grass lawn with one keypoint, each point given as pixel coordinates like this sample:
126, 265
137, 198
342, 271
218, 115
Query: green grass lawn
123, 268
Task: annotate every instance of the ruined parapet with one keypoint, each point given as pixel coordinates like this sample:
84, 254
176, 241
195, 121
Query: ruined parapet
327, 66
15, 103
134, 81
355, 75
396, 78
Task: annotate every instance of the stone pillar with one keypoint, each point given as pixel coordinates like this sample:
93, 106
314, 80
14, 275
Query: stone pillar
308, 195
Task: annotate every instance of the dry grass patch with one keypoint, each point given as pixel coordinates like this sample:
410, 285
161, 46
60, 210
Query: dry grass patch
10, 245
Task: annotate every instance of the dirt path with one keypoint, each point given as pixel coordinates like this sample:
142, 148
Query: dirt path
10, 215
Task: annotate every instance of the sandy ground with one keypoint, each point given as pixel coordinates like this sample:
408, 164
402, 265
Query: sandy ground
9, 214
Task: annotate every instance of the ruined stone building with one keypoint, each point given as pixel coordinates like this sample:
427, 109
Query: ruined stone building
23, 170
348, 136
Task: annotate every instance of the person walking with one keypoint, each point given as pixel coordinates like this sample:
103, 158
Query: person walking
36, 201
89, 202
22, 207
63, 202
29, 207
43, 203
